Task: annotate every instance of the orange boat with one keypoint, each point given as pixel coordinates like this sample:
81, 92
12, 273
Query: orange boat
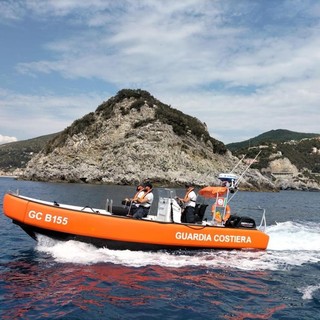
161, 229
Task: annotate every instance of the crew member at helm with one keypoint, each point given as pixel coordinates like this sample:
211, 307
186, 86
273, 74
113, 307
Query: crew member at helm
189, 201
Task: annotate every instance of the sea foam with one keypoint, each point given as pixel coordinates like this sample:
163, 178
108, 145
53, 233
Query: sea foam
291, 244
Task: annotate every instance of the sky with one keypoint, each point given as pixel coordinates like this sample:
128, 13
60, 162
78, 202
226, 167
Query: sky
243, 67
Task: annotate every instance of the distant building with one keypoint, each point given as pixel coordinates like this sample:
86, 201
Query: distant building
250, 161
262, 146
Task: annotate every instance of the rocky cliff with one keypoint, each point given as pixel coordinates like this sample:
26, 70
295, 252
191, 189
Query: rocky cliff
286, 176
133, 137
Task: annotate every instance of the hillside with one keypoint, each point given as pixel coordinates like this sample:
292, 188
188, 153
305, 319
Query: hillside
289, 158
17, 154
181, 123
298, 147
272, 136
134, 137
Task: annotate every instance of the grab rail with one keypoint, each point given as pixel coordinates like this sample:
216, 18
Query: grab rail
263, 223
109, 204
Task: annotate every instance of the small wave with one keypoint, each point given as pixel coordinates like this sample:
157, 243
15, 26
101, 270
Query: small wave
302, 236
309, 292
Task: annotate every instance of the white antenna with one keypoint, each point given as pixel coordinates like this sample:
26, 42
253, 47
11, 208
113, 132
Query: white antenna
238, 163
244, 172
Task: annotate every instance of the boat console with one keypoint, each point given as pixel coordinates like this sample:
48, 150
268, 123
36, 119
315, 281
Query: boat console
168, 209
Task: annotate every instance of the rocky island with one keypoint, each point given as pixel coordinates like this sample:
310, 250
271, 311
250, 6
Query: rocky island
133, 137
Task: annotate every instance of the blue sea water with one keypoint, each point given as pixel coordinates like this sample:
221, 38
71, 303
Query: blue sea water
73, 280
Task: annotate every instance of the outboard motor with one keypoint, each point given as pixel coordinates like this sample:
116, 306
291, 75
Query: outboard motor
240, 222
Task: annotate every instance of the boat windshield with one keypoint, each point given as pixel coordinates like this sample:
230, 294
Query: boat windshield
161, 195
166, 193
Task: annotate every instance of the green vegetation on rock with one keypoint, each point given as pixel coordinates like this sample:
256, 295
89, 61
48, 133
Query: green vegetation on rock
278, 144
181, 123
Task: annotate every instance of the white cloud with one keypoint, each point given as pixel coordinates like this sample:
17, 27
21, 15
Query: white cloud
10, 11
36, 115
7, 139
235, 117
244, 67
178, 49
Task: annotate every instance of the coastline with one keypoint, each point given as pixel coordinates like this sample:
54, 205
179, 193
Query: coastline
6, 176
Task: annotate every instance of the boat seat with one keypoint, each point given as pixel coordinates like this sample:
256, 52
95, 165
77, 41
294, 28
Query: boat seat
120, 211
199, 211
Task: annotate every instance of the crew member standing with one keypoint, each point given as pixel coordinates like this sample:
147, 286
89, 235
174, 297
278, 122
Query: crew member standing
189, 201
